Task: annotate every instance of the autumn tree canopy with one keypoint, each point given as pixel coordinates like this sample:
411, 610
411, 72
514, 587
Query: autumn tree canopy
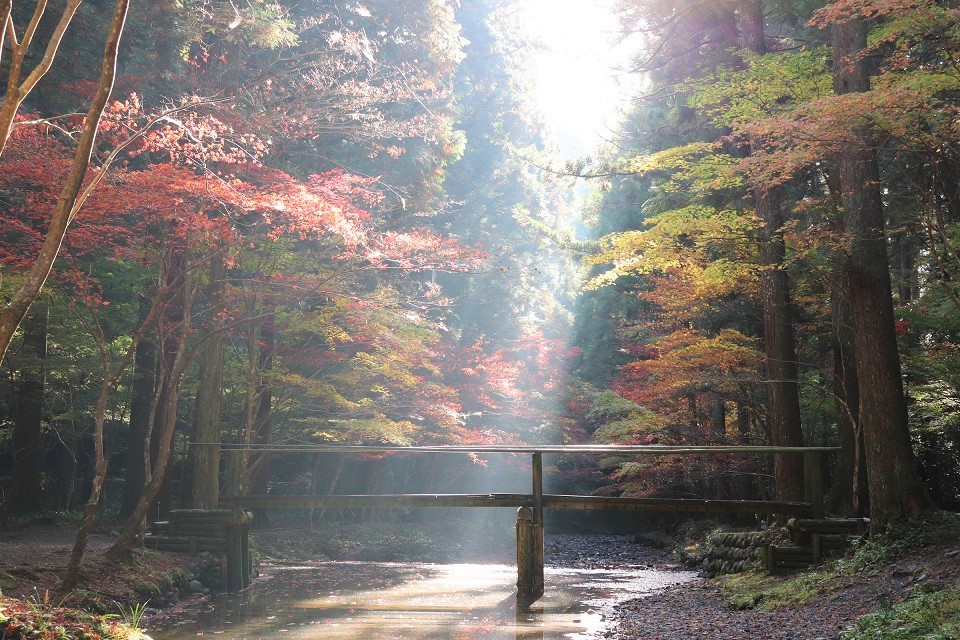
347, 222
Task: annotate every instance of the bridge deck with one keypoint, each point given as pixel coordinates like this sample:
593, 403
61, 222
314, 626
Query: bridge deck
550, 501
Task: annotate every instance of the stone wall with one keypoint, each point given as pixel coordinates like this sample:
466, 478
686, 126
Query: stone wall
736, 551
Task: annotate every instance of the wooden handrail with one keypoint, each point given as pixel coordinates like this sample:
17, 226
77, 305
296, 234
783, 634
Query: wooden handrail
550, 501
526, 449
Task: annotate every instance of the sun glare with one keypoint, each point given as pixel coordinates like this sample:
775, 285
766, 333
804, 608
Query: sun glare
579, 70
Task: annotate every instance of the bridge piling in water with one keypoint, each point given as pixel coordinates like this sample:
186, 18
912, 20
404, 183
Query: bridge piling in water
529, 558
530, 540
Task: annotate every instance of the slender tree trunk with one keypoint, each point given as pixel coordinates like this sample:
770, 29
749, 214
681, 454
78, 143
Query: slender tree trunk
177, 288
779, 343
851, 492
28, 452
334, 481
171, 339
67, 472
718, 416
744, 482
896, 490
263, 423
123, 547
99, 474
779, 349
203, 462
141, 403
101, 461
18, 86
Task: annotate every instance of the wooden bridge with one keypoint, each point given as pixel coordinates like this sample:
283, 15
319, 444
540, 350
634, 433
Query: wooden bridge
531, 505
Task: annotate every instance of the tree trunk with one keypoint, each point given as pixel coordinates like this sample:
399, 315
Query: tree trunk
96, 486
141, 403
850, 493
123, 547
26, 487
12, 313
260, 461
779, 344
177, 289
896, 490
751, 27
67, 465
744, 482
171, 338
718, 416
101, 460
202, 489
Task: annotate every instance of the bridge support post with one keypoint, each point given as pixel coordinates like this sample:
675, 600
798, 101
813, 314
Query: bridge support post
529, 558
239, 573
530, 541
813, 481
537, 467
813, 492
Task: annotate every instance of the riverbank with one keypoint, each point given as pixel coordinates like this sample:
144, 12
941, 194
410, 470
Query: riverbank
908, 580
33, 557
898, 587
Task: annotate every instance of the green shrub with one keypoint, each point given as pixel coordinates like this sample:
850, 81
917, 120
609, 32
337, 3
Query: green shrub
923, 616
757, 590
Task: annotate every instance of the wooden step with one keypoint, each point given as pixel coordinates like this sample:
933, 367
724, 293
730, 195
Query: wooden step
160, 527
184, 543
830, 525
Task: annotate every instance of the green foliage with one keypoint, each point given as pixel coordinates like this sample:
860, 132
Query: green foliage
132, 615
882, 548
923, 616
757, 590
38, 618
770, 83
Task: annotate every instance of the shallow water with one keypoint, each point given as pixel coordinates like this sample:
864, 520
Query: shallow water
379, 601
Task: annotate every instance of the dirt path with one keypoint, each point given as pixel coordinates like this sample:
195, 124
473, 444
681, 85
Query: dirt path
45, 546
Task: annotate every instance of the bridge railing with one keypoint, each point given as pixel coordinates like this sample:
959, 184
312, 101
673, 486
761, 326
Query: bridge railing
811, 506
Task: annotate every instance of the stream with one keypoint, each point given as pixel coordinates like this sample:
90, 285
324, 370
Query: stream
410, 600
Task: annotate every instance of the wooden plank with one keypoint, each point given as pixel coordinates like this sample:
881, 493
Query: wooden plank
559, 449
679, 504
838, 525
198, 526
388, 501
217, 518
203, 513
550, 501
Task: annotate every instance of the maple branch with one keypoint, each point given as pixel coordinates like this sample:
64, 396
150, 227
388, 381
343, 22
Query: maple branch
50, 122
8, 28
14, 311
163, 116
32, 26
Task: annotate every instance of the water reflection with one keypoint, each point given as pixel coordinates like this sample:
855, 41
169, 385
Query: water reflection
411, 601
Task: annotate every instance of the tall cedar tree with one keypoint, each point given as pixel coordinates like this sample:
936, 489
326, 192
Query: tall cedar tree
896, 490
779, 343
